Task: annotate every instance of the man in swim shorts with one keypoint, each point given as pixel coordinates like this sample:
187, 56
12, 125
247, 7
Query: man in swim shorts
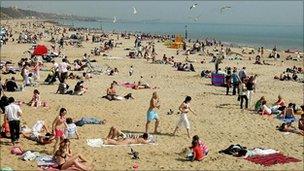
151, 113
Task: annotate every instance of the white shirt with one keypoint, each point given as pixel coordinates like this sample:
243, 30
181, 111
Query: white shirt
70, 131
63, 67
11, 111
264, 107
56, 66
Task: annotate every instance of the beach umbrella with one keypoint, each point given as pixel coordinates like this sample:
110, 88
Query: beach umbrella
40, 50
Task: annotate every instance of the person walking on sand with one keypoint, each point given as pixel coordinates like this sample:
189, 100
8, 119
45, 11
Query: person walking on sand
183, 121
151, 113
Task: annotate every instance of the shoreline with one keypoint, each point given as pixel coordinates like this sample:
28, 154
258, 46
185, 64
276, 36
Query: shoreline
194, 38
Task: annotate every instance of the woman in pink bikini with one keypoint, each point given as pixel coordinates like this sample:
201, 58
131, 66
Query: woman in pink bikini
58, 127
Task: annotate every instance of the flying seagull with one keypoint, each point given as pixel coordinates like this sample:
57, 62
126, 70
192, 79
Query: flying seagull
134, 11
114, 19
193, 6
224, 8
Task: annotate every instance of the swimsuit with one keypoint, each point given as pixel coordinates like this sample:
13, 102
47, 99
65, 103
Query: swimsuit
59, 133
151, 115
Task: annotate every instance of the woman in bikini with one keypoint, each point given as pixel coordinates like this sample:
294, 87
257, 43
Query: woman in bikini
64, 159
58, 127
183, 121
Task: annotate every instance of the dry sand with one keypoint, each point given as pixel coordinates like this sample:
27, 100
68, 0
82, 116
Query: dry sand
219, 121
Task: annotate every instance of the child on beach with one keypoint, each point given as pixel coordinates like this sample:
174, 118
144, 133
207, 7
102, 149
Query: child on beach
183, 121
71, 129
35, 102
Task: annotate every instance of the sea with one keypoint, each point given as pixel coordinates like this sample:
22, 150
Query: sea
282, 36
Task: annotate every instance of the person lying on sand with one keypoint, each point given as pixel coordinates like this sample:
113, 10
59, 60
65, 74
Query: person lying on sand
35, 134
287, 127
125, 140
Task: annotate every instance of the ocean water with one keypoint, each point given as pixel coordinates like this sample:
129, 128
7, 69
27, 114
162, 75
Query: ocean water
284, 37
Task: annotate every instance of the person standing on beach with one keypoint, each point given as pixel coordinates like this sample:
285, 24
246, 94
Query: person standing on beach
58, 127
235, 81
243, 94
228, 80
183, 121
13, 114
151, 113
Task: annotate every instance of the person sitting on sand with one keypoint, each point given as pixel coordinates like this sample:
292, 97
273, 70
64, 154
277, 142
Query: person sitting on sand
288, 113
80, 89
36, 101
201, 144
197, 153
65, 160
280, 104
111, 94
71, 129
265, 110
132, 140
258, 104
11, 85
63, 88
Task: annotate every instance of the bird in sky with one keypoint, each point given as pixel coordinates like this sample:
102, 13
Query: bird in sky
224, 8
193, 6
134, 11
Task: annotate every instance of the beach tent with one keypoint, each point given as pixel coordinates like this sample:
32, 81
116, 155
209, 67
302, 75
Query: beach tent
178, 42
218, 79
40, 50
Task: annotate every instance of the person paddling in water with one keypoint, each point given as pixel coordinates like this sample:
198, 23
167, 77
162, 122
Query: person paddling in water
151, 113
183, 121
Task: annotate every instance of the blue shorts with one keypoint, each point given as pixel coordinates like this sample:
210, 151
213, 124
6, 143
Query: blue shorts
151, 115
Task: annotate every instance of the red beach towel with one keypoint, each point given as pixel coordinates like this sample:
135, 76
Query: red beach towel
272, 159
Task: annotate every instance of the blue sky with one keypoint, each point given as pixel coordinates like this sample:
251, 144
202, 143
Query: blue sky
241, 12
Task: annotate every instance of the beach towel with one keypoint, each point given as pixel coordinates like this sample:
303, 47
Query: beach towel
100, 143
28, 156
95, 142
272, 159
86, 120
128, 85
46, 160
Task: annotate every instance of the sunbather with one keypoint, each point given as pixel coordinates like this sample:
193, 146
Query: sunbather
65, 160
132, 140
111, 94
287, 127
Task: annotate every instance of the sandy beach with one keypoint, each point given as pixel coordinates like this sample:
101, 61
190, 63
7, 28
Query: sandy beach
219, 122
